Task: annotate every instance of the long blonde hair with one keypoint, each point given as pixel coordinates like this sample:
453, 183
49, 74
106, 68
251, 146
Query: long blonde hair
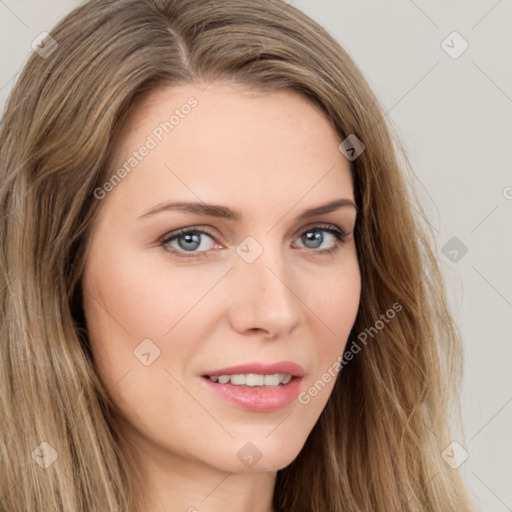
377, 445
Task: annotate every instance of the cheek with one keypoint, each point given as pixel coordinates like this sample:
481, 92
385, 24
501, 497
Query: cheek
335, 298
133, 308
143, 340
333, 310
147, 298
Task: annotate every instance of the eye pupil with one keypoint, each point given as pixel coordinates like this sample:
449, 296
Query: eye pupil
316, 237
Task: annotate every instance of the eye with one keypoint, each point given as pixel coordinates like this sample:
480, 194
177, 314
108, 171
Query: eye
314, 237
188, 240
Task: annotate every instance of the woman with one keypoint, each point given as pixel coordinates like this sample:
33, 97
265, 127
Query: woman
215, 291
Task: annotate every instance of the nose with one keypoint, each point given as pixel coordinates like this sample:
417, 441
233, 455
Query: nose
264, 299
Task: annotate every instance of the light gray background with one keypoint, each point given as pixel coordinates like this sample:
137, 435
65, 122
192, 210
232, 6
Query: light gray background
454, 119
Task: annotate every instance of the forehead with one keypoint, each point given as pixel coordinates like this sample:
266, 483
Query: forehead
226, 144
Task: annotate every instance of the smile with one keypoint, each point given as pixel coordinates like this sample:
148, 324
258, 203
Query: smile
259, 387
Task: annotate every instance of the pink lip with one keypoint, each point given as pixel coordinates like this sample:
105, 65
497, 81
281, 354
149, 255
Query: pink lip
257, 398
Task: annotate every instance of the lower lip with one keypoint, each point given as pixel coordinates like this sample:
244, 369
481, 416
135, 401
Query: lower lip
257, 398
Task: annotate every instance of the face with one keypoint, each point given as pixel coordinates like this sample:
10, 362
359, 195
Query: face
210, 323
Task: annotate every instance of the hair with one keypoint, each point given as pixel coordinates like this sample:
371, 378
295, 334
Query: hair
377, 444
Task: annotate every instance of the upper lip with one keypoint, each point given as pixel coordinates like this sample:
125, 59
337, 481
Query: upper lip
286, 367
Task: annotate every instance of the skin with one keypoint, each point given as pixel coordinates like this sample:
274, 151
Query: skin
269, 156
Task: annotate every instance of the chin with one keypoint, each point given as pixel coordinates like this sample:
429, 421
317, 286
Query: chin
262, 454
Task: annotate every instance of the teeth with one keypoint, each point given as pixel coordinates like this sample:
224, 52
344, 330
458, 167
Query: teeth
284, 378
253, 379
238, 379
270, 380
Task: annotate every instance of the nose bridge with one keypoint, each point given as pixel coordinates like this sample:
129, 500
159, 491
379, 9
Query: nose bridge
264, 297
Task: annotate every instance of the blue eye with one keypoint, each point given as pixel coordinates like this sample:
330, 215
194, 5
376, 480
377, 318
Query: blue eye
315, 237
188, 240
192, 241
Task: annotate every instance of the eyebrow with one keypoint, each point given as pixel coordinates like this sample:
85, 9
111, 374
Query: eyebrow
223, 212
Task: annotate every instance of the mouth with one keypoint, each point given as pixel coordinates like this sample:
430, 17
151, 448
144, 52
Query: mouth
257, 387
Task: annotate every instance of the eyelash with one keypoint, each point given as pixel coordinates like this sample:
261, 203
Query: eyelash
339, 235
